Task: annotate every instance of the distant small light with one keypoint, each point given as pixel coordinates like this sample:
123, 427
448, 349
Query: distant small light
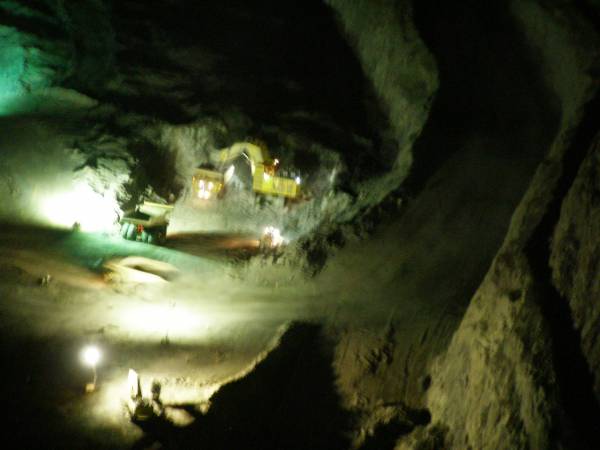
91, 355
133, 382
210, 185
298, 180
229, 173
272, 236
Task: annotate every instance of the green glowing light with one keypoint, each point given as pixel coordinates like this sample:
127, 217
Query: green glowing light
12, 61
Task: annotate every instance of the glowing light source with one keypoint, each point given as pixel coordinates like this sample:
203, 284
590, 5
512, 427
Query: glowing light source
272, 237
90, 355
206, 189
133, 384
167, 321
82, 205
229, 174
298, 180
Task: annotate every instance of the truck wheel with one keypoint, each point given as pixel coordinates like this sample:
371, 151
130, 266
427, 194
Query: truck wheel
131, 232
161, 236
124, 229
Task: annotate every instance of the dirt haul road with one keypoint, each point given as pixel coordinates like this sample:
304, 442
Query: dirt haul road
193, 334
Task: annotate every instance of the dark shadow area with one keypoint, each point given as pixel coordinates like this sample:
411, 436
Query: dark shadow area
43, 397
158, 170
491, 87
285, 65
215, 245
269, 56
574, 376
35, 25
42, 393
10, 231
289, 401
386, 435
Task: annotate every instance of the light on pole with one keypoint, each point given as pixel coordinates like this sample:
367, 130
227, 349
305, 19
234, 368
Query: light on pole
91, 356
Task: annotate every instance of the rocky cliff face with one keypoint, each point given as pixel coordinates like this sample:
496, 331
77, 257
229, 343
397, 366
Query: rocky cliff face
519, 367
520, 370
574, 262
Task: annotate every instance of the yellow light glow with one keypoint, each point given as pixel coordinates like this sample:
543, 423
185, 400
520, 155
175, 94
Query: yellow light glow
272, 235
133, 383
90, 355
82, 205
163, 321
205, 190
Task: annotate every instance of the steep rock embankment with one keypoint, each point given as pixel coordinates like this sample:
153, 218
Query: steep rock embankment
575, 260
411, 283
514, 375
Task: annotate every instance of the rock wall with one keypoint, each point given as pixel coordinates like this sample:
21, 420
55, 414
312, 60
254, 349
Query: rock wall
52, 50
575, 259
399, 65
512, 376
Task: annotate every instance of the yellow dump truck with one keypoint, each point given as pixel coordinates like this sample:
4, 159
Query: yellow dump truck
148, 222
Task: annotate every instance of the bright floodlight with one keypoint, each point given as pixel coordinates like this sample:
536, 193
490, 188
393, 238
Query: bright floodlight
80, 203
91, 355
272, 236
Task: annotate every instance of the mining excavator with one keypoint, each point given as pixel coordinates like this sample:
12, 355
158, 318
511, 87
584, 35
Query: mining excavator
209, 182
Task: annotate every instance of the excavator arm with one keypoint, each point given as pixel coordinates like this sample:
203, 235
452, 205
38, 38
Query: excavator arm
255, 154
